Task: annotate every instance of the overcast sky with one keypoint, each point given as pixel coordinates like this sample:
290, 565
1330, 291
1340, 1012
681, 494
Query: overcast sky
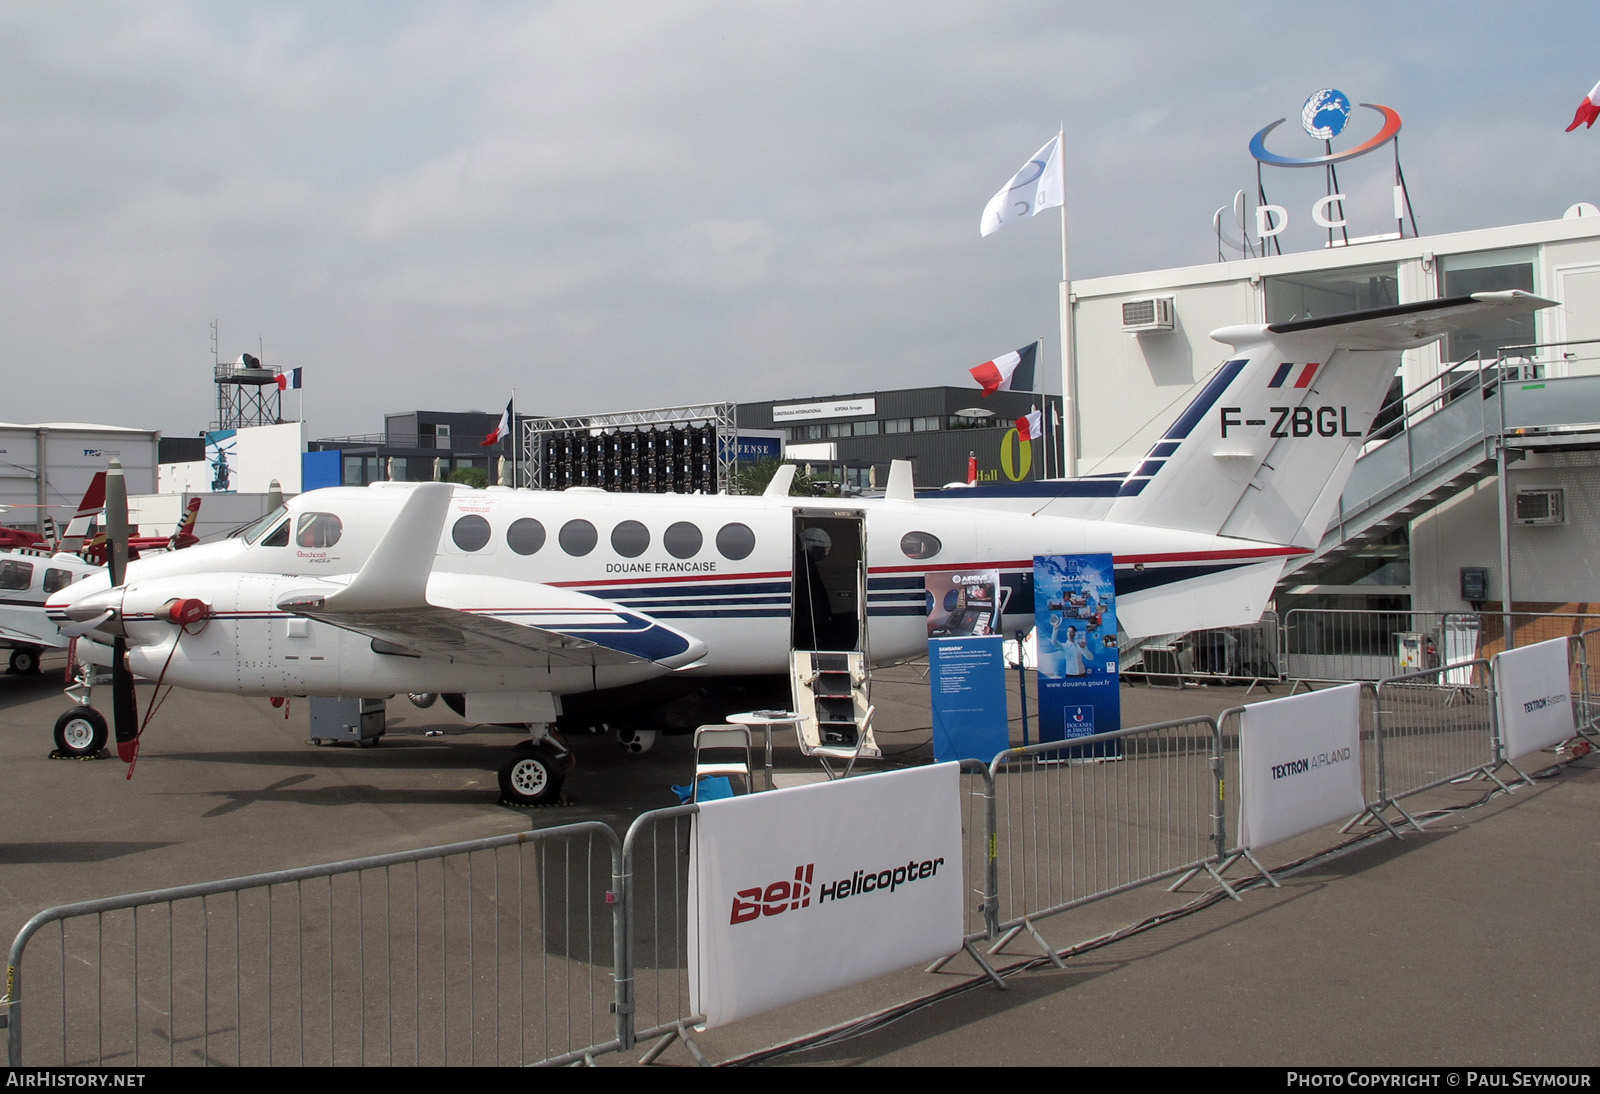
617, 205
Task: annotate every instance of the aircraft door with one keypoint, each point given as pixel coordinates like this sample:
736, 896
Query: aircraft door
830, 580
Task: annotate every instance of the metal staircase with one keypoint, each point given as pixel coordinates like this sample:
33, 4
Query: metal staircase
1447, 437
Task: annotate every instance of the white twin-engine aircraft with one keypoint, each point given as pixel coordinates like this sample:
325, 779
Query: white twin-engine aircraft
581, 608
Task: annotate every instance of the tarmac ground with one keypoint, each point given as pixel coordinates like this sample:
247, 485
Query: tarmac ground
1469, 944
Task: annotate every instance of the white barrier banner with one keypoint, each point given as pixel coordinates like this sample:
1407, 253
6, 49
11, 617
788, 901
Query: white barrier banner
1299, 764
1535, 696
798, 891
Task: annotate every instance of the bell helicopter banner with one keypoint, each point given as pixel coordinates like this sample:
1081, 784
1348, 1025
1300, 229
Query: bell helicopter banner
798, 891
1075, 613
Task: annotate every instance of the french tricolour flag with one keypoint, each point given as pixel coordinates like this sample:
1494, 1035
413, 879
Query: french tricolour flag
1588, 110
500, 430
289, 380
1030, 427
1009, 372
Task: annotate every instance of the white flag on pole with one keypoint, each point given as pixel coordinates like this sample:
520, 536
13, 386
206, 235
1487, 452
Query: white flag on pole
1036, 186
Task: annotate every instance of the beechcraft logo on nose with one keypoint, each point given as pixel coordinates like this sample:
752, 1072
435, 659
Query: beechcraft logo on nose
1302, 378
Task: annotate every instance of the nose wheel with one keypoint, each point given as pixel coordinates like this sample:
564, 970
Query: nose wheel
81, 732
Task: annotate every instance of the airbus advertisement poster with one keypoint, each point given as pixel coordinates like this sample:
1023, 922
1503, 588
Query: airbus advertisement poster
1074, 598
966, 666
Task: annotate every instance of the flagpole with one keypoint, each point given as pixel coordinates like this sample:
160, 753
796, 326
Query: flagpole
1069, 372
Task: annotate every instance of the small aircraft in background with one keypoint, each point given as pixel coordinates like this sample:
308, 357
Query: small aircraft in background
575, 609
29, 575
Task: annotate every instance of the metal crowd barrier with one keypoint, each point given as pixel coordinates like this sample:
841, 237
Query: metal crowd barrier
555, 946
1586, 653
655, 855
1247, 654
494, 951
1327, 645
1069, 829
1435, 727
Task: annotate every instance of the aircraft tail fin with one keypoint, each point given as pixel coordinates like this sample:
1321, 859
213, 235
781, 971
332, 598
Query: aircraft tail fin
94, 500
1264, 450
183, 535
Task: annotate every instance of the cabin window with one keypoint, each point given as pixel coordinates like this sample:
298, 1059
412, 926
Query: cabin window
470, 533
57, 579
630, 539
736, 541
525, 536
578, 537
683, 540
318, 530
920, 545
15, 575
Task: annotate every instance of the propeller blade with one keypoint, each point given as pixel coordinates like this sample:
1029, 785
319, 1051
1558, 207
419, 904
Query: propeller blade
116, 522
124, 703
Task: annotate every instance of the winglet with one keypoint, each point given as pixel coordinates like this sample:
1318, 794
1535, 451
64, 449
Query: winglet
901, 486
396, 575
782, 479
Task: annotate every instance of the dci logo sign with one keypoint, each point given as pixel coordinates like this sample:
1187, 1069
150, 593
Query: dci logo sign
1325, 115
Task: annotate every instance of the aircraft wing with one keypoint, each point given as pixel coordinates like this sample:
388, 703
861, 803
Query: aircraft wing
398, 599
497, 621
29, 637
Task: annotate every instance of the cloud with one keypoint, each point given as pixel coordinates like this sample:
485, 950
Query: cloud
706, 199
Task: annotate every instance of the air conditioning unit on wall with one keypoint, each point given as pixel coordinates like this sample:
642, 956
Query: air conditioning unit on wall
1545, 505
1148, 315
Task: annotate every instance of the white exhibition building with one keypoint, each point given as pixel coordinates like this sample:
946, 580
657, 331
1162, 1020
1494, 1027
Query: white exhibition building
1424, 516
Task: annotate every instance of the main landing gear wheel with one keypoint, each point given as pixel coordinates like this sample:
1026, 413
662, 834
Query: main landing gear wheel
24, 662
81, 732
532, 775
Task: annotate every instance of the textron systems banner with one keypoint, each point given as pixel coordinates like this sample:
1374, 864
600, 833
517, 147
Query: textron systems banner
1075, 611
1535, 697
1299, 764
798, 891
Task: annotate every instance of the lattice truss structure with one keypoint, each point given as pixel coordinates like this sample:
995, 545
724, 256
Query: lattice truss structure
681, 449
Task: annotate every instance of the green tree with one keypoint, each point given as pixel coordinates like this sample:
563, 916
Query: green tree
475, 477
752, 478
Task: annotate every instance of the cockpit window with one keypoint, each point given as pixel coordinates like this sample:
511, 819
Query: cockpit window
278, 537
316, 530
253, 530
15, 575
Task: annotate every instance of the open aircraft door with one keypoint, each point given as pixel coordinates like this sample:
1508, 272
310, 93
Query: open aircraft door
830, 580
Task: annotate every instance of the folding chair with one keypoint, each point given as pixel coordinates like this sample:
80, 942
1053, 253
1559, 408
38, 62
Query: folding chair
722, 750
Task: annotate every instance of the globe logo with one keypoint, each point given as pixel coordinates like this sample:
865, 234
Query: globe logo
1325, 114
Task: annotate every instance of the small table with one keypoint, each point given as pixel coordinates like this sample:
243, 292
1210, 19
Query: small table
764, 720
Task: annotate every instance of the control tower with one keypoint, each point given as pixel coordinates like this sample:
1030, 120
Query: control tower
247, 394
